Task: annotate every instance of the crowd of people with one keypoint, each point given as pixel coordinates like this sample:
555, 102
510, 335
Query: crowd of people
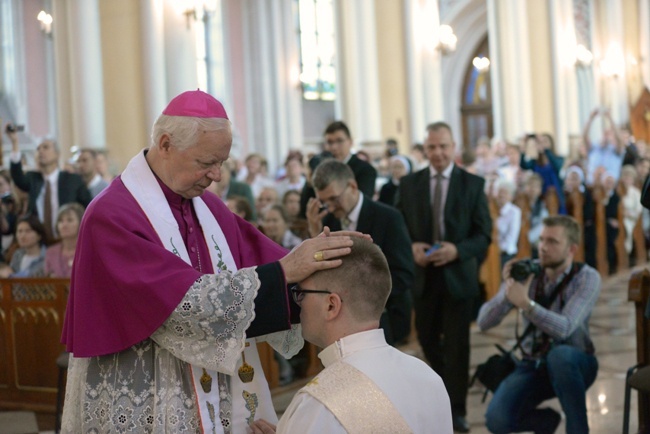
428, 212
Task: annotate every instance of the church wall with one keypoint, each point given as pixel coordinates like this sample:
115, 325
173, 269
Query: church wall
126, 130
391, 65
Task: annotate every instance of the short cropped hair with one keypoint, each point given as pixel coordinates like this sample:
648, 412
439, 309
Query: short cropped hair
363, 280
440, 125
329, 171
338, 126
184, 131
570, 225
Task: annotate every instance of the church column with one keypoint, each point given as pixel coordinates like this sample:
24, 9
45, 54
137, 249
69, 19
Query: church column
611, 74
358, 97
514, 67
79, 74
644, 41
498, 123
152, 30
273, 95
565, 89
180, 49
424, 72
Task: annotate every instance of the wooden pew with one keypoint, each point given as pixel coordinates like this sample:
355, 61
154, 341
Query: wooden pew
523, 245
575, 207
551, 200
622, 259
31, 320
601, 235
641, 253
490, 272
638, 292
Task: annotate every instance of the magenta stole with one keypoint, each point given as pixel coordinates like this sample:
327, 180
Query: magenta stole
125, 284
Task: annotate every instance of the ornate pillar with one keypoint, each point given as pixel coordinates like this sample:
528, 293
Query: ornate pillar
273, 96
609, 43
515, 68
424, 72
154, 74
357, 74
565, 89
78, 54
644, 41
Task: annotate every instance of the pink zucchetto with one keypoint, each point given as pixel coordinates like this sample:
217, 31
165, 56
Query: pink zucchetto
195, 103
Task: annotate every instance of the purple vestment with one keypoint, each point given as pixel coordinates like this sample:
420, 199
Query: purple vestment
125, 284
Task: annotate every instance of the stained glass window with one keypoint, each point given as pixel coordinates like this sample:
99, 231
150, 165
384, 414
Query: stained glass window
317, 49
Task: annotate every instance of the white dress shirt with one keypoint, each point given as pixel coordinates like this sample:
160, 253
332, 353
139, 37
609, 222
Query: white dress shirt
508, 226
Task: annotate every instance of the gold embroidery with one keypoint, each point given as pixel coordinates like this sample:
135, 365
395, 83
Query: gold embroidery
245, 371
251, 405
206, 381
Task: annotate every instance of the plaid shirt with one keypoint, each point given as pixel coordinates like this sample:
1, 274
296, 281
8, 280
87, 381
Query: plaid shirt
568, 324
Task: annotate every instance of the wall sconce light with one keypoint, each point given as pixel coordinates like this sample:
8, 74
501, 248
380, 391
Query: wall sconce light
446, 39
613, 63
584, 57
46, 23
482, 64
198, 8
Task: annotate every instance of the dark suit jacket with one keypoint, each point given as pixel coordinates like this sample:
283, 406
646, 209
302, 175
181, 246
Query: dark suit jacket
71, 188
467, 225
387, 228
365, 175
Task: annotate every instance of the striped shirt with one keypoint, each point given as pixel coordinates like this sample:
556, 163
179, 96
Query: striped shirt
567, 324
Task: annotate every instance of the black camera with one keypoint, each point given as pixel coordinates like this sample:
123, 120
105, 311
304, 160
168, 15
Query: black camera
520, 270
8, 199
11, 128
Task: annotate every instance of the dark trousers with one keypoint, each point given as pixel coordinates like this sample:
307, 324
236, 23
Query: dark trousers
442, 323
567, 374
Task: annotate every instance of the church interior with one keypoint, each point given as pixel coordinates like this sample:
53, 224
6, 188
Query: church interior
95, 74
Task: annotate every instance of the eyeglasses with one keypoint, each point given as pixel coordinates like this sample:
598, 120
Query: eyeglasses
298, 293
336, 200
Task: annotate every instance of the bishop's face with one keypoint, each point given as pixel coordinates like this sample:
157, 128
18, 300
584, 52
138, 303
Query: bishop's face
190, 171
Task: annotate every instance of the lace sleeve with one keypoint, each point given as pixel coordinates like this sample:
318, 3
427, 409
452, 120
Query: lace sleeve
208, 327
287, 342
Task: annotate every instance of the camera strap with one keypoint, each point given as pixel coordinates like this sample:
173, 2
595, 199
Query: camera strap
542, 347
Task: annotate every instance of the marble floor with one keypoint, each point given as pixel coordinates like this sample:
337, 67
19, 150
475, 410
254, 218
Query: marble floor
614, 335
613, 331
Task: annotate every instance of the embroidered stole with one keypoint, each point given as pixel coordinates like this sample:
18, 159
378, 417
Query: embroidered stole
356, 401
228, 405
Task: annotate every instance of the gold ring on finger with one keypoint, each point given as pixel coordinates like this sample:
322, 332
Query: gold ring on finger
318, 256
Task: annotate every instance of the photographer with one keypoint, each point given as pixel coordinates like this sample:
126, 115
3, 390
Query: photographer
556, 296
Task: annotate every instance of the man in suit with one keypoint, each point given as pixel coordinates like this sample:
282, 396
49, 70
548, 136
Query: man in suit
87, 169
45, 198
448, 219
339, 204
338, 143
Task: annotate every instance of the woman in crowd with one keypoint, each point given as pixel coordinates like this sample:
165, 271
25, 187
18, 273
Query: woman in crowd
29, 259
399, 166
540, 158
8, 210
59, 257
276, 227
632, 207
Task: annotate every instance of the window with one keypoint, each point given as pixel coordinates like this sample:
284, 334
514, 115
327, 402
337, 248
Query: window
317, 49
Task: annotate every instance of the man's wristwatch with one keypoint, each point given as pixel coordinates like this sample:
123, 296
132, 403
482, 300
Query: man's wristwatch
530, 307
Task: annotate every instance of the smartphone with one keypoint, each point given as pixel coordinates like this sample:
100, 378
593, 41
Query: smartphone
433, 248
